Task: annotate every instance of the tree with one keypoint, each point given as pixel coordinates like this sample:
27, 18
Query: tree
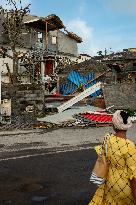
13, 27
100, 53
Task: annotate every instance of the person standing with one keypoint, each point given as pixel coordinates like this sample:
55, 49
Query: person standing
120, 185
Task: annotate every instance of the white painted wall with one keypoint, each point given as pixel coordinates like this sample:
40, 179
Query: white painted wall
82, 58
8, 60
6, 107
72, 58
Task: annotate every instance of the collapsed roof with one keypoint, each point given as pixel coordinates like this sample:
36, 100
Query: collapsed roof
39, 23
52, 22
74, 36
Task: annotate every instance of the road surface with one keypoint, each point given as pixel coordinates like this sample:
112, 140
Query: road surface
53, 168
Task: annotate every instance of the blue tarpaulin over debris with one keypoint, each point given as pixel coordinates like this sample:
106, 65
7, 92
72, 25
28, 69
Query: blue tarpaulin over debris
68, 88
75, 79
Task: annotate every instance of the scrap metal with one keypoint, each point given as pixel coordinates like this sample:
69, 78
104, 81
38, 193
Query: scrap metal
80, 96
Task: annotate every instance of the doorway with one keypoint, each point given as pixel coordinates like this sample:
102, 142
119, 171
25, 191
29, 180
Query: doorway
49, 67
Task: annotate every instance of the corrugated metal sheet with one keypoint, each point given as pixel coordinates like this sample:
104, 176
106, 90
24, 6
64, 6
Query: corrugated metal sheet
90, 76
68, 88
90, 84
101, 118
74, 81
80, 96
97, 93
76, 78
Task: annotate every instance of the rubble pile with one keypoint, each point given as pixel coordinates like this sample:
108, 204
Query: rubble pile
96, 118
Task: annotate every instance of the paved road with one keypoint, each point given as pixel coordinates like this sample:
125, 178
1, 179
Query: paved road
53, 168
52, 179
60, 138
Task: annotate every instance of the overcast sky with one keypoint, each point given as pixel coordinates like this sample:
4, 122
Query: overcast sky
109, 24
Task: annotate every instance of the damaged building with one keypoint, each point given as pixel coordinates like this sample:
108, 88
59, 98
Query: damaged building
110, 79
49, 42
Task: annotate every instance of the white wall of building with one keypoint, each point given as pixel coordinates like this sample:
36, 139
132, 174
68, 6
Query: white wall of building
83, 57
9, 61
6, 107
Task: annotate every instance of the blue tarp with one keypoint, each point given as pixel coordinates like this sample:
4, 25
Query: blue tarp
67, 88
76, 78
74, 81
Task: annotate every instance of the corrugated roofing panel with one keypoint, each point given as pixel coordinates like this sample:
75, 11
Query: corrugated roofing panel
68, 88
76, 78
101, 118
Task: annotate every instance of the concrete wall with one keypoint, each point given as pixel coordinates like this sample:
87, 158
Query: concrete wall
121, 95
3, 62
28, 39
65, 44
3, 37
82, 58
3, 68
6, 107
22, 96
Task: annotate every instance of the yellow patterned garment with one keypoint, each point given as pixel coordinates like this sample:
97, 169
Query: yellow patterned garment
121, 157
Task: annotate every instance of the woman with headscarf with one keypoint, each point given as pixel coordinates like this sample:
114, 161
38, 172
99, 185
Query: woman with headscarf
120, 185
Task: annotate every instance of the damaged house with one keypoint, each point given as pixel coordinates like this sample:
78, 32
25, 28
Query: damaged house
47, 40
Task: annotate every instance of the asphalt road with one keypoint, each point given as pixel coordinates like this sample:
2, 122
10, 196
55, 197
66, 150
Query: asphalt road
52, 179
49, 168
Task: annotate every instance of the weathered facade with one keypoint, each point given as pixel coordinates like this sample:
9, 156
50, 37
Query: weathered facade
42, 36
62, 44
26, 101
121, 95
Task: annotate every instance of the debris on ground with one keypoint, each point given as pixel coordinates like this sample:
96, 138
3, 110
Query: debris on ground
96, 118
67, 115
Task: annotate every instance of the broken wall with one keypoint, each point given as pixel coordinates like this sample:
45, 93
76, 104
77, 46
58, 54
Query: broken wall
64, 44
121, 95
22, 97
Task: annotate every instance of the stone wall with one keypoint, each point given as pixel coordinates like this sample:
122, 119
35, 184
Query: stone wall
21, 97
121, 95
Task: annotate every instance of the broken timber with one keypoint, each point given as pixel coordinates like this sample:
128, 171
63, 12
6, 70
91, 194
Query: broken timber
96, 78
79, 97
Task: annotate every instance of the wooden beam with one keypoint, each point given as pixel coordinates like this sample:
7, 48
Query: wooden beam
46, 36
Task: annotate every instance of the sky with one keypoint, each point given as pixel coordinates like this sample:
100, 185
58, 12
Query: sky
102, 24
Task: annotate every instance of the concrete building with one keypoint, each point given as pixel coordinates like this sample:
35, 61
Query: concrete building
48, 39
83, 57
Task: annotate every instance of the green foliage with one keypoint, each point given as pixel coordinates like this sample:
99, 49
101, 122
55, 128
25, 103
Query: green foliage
100, 53
81, 88
131, 112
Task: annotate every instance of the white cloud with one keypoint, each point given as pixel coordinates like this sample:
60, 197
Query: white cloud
91, 44
81, 8
125, 6
82, 29
95, 40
